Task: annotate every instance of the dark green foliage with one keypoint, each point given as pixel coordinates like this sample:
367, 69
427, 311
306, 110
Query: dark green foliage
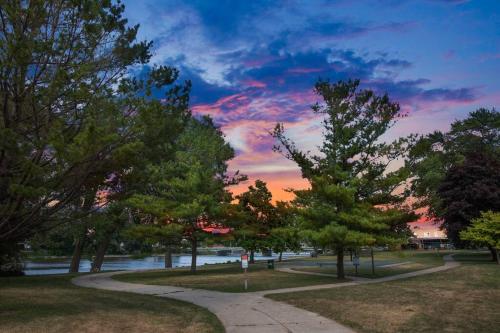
258, 214
60, 122
263, 225
285, 232
183, 182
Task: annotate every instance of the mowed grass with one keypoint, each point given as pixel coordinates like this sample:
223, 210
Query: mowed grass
409, 260
52, 304
227, 278
463, 299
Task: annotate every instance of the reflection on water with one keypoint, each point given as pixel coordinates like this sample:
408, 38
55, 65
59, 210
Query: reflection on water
124, 263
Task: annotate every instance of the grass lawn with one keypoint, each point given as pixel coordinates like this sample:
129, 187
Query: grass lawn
53, 304
226, 277
410, 260
464, 299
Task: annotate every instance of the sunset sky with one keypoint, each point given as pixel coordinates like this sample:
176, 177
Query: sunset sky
254, 63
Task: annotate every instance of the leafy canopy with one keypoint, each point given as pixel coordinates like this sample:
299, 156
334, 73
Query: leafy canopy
484, 230
455, 173
434, 154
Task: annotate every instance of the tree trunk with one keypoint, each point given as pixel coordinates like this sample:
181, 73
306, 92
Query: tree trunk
99, 255
194, 250
494, 254
80, 242
281, 256
340, 263
10, 259
77, 254
252, 257
168, 257
373, 262
103, 248
314, 253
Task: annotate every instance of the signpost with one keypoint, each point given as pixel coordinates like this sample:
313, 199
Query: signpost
373, 262
244, 265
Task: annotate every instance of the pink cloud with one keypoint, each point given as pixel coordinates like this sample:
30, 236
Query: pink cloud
247, 119
260, 61
254, 84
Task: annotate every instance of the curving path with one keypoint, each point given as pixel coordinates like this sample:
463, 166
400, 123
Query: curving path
448, 264
238, 312
249, 312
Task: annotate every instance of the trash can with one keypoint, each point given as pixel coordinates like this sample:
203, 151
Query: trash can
270, 264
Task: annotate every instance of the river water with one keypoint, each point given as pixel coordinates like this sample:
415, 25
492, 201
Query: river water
60, 266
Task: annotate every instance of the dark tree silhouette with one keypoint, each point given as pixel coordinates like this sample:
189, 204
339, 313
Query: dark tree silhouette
467, 190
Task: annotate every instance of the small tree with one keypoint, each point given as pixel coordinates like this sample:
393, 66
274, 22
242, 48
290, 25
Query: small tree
485, 231
285, 231
197, 189
258, 217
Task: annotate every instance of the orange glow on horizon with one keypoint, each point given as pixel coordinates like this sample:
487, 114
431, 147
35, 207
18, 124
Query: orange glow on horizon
277, 183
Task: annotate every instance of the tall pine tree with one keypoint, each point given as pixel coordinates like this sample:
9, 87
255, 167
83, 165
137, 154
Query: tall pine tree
60, 66
352, 200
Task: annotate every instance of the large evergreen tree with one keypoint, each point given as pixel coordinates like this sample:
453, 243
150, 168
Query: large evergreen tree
352, 200
60, 66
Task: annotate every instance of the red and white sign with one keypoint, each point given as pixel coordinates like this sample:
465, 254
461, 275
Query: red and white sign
244, 261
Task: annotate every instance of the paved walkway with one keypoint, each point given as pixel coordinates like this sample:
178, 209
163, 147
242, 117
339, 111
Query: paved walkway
395, 265
295, 271
249, 312
448, 263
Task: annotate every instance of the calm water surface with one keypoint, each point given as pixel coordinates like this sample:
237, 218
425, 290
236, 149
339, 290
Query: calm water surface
124, 263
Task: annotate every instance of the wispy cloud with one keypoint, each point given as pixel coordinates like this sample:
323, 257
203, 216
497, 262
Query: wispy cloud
254, 63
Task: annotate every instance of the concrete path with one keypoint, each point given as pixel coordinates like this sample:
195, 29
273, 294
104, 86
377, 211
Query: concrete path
294, 271
448, 264
396, 264
249, 312
238, 312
